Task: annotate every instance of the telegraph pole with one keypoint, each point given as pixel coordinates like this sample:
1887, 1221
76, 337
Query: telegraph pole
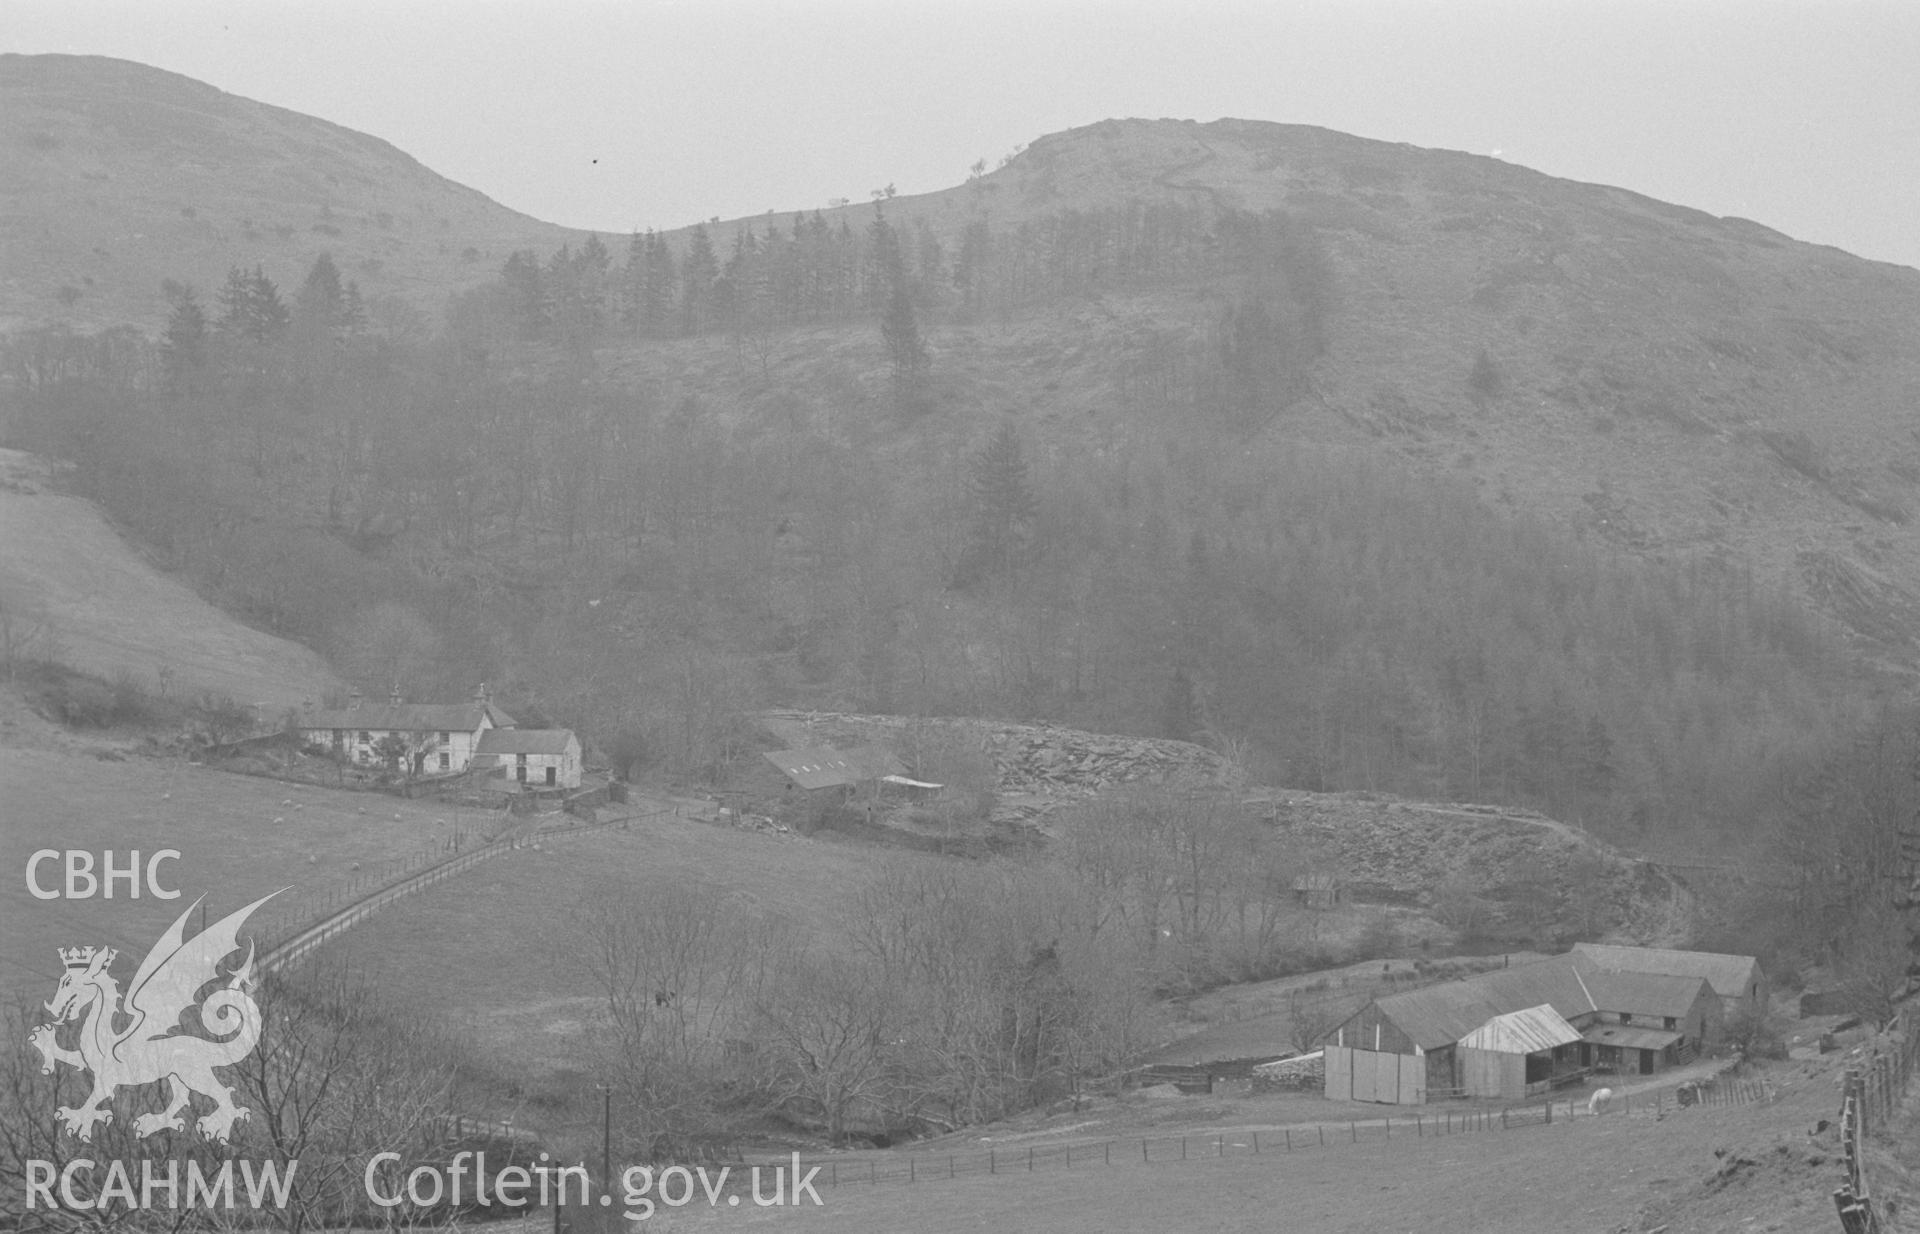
606, 1137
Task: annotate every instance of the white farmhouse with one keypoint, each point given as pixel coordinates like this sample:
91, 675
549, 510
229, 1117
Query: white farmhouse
439, 738
542, 757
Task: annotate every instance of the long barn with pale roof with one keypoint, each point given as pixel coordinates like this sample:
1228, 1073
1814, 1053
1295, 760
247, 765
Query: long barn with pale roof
1517, 1032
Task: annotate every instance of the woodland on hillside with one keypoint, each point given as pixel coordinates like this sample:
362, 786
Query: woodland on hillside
643, 555
601, 487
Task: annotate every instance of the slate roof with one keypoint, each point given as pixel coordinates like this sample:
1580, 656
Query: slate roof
524, 741
1527, 1031
1571, 985
1642, 993
407, 717
1630, 1035
821, 767
1731, 976
1440, 1015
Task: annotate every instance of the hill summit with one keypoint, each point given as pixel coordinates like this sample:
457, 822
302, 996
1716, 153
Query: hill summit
120, 175
1667, 383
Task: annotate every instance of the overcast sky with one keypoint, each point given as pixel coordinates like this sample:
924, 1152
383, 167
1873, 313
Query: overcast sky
1803, 115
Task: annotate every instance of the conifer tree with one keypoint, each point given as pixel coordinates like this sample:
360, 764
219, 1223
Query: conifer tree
906, 350
322, 300
697, 275
1003, 531
659, 296
526, 294
250, 306
183, 348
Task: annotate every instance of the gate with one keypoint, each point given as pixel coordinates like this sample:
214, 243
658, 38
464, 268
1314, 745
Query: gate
1374, 1075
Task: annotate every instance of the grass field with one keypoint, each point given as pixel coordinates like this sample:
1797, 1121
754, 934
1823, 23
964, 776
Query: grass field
485, 949
113, 612
1699, 1171
231, 848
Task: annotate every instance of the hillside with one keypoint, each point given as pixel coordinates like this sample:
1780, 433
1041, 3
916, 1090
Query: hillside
108, 611
118, 175
1667, 383
1407, 470
1662, 382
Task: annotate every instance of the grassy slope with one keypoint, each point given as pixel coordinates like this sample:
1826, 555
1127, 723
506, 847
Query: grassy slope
120, 175
1582, 1176
1654, 355
509, 920
231, 848
113, 612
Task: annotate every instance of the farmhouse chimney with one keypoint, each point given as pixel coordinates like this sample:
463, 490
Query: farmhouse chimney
393, 695
480, 694
353, 699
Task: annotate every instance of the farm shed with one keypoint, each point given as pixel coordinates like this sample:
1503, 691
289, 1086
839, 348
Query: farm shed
1428, 1024
1737, 980
1318, 889
440, 738
1516, 1055
818, 767
1644, 1022
543, 757
1627, 1021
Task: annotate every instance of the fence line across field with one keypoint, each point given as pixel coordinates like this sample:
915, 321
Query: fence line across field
912, 1167
299, 941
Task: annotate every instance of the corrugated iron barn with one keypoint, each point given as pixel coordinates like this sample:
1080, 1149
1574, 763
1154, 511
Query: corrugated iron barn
1510, 1053
1411, 1047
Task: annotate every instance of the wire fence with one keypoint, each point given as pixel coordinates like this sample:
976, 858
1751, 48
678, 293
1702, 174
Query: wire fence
1324, 1136
1872, 1091
393, 881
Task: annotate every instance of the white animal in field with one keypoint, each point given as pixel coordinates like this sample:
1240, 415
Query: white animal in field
1597, 1104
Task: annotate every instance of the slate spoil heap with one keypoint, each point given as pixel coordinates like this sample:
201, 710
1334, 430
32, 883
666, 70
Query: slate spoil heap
1052, 760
